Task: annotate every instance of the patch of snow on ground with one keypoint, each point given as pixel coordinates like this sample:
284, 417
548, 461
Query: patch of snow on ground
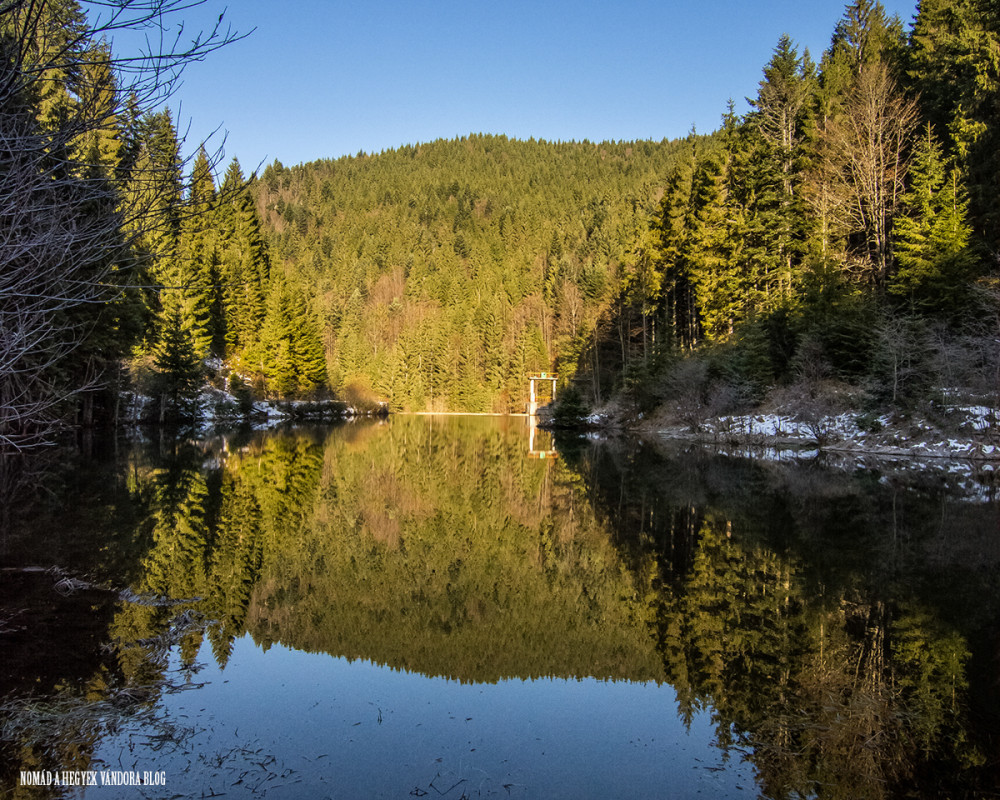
962, 461
979, 418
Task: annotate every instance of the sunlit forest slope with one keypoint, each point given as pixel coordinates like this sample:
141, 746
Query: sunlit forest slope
445, 272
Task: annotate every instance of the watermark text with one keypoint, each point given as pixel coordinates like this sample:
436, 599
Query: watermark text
67, 777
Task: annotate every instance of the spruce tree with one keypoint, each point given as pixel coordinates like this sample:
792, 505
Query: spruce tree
244, 265
178, 369
932, 234
716, 283
673, 233
307, 348
197, 263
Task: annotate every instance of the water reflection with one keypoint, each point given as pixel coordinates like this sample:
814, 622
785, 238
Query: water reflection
842, 626
839, 627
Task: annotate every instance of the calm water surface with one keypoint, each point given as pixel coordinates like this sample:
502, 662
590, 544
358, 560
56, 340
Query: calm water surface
461, 607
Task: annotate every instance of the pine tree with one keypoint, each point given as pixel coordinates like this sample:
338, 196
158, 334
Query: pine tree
932, 233
178, 369
672, 229
197, 265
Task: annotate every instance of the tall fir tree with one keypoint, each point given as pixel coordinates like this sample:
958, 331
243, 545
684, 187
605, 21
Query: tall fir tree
244, 265
197, 264
672, 225
933, 234
178, 369
716, 283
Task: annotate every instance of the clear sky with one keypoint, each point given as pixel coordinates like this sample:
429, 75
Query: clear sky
324, 79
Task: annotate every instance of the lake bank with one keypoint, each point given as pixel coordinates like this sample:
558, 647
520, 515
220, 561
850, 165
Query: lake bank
958, 432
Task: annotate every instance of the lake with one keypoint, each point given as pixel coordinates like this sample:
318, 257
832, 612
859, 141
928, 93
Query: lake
468, 607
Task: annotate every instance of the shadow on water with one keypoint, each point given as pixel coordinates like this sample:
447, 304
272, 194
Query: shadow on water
840, 627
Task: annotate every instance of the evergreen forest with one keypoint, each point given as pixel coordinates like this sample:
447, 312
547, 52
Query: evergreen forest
845, 229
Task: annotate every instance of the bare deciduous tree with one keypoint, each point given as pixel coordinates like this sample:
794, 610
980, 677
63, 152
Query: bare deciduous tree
65, 235
868, 149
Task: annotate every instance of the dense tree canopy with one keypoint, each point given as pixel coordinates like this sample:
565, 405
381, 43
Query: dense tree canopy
444, 272
857, 188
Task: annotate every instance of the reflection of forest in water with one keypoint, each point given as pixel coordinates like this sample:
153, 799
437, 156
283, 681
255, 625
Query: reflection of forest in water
842, 628
842, 625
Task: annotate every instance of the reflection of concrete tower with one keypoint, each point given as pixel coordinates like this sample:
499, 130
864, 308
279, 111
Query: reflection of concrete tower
547, 377
542, 446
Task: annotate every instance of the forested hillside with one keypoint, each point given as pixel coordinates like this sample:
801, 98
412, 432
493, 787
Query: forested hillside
846, 228
445, 272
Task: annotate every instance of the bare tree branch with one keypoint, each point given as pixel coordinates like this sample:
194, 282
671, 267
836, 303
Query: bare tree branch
67, 233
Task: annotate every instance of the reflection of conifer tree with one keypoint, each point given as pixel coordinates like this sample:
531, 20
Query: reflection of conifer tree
932, 658
236, 562
173, 569
176, 566
728, 637
842, 695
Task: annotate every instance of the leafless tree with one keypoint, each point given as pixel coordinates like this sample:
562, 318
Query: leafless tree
64, 230
868, 148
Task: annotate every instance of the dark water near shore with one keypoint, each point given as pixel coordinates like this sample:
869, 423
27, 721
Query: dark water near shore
460, 607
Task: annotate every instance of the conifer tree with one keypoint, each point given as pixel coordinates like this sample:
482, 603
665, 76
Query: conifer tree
178, 369
954, 67
773, 178
307, 348
292, 352
160, 185
780, 104
672, 227
197, 266
716, 283
932, 233
244, 267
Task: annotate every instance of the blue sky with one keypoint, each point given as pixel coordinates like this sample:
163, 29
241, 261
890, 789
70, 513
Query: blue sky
325, 79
